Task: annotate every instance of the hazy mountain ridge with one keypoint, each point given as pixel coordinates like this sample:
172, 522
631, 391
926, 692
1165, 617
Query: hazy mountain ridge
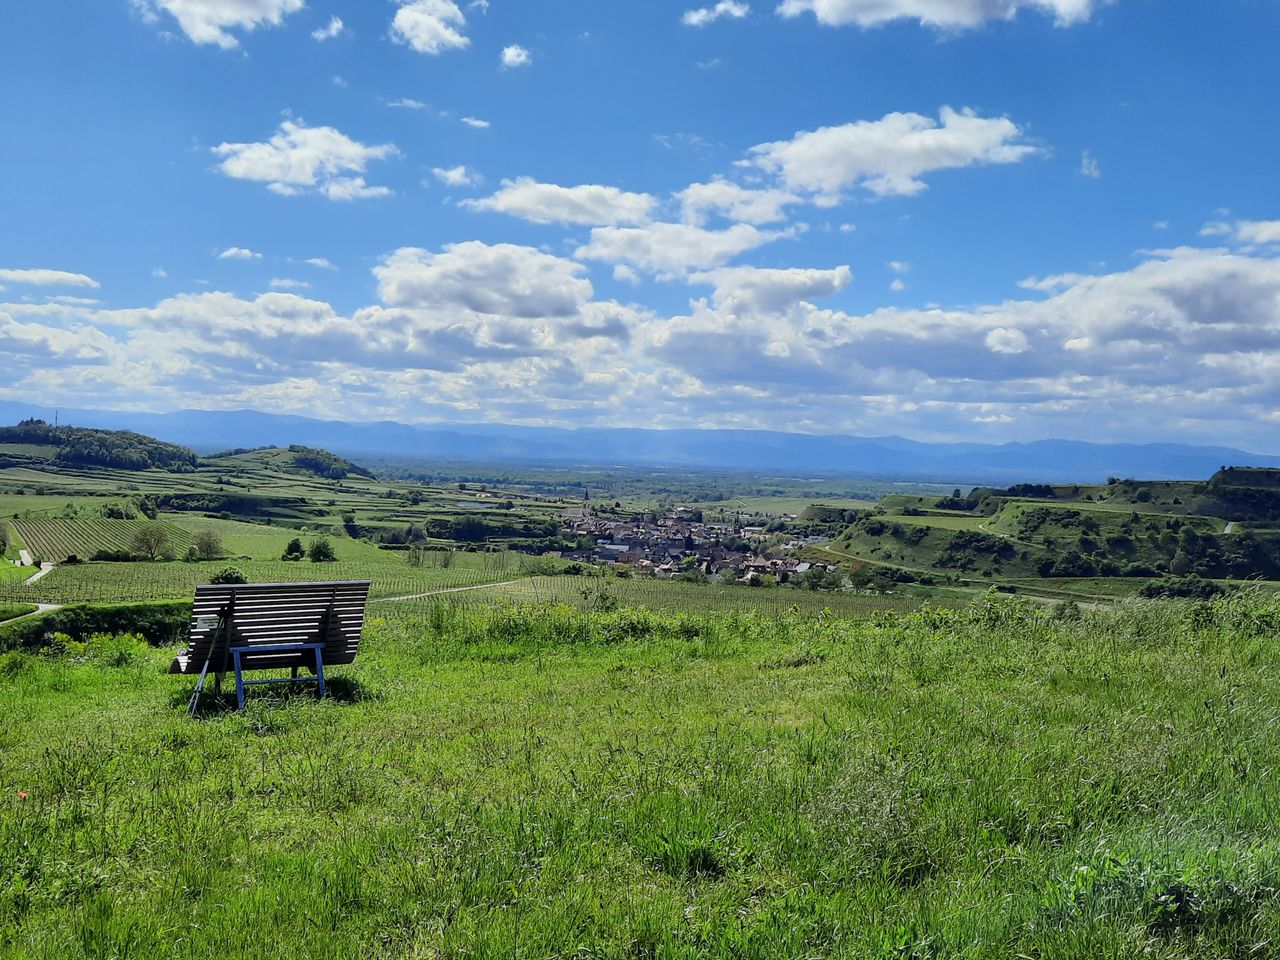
1057, 460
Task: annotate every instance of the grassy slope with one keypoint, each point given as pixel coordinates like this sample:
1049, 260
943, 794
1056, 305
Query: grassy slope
559, 784
10, 611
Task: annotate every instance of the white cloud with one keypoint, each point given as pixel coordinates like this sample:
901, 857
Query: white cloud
673, 249
589, 204
507, 333
334, 29
48, 278
456, 176
284, 283
942, 14
408, 103
239, 253
899, 266
725, 8
339, 81
301, 159
756, 290
159, 272
321, 263
1089, 165
516, 56
477, 124
734, 202
1007, 340
888, 157
898, 285
207, 21
430, 26
1244, 231
501, 279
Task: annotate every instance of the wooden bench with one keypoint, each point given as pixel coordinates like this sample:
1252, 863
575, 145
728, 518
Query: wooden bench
272, 626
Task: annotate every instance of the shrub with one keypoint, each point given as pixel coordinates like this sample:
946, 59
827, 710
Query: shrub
321, 551
228, 575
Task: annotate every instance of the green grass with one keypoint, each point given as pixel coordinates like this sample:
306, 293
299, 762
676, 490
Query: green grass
11, 573
554, 783
957, 521
679, 597
10, 611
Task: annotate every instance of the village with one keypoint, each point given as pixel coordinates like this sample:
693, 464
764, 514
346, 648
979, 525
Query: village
680, 543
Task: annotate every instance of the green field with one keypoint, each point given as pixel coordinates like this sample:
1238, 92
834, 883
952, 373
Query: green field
55, 540
677, 597
549, 782
779, 506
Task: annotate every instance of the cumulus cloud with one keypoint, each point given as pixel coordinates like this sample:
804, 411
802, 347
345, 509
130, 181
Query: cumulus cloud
208, 21
744, 205
758, 290
942, 14
589, 204
888, 157
48, 278
334, 28
673, 249
502, 279
476, 124
725, 8
320, 262
301, 159
430, 26
456, 176
513, 333
239, 253
286, 283
516, 56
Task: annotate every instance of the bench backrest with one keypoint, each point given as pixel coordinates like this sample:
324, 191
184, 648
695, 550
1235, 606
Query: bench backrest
258, 614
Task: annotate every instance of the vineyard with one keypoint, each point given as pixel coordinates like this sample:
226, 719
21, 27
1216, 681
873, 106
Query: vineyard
390, 576
55, 540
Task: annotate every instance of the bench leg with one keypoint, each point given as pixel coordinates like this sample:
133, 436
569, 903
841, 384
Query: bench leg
235, 654
217, 683
320, 672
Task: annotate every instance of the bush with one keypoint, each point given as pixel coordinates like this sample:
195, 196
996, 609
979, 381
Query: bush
228, 575
321, 551
160, 624
294, 551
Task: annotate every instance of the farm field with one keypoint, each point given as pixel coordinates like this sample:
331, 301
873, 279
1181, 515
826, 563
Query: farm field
388, 572
540, 782
780, 506
55, 540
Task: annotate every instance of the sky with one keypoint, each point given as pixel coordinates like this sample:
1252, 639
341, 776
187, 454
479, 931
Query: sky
995, 220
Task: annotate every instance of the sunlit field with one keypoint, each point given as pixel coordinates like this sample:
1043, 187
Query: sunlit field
550, 781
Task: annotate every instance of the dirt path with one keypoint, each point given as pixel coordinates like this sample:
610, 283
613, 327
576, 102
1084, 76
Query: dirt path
443, 590
40, 610
1231, 527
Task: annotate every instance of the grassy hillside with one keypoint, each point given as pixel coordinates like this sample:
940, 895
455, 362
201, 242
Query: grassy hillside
1126, 530
550, 782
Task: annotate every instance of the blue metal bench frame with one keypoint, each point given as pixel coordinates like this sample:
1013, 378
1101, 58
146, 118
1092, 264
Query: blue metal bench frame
241, 682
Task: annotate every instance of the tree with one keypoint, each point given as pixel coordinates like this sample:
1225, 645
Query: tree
321, 551
294, 551
152, 541
209, 544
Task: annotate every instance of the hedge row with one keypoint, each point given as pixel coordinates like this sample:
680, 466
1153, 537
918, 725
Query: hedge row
160, 624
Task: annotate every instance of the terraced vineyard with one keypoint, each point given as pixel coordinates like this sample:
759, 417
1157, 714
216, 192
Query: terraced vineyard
58, 539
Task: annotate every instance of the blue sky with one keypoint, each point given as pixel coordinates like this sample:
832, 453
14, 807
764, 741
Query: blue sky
962, 219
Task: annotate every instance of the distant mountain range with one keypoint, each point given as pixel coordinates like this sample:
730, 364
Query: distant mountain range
789, 454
